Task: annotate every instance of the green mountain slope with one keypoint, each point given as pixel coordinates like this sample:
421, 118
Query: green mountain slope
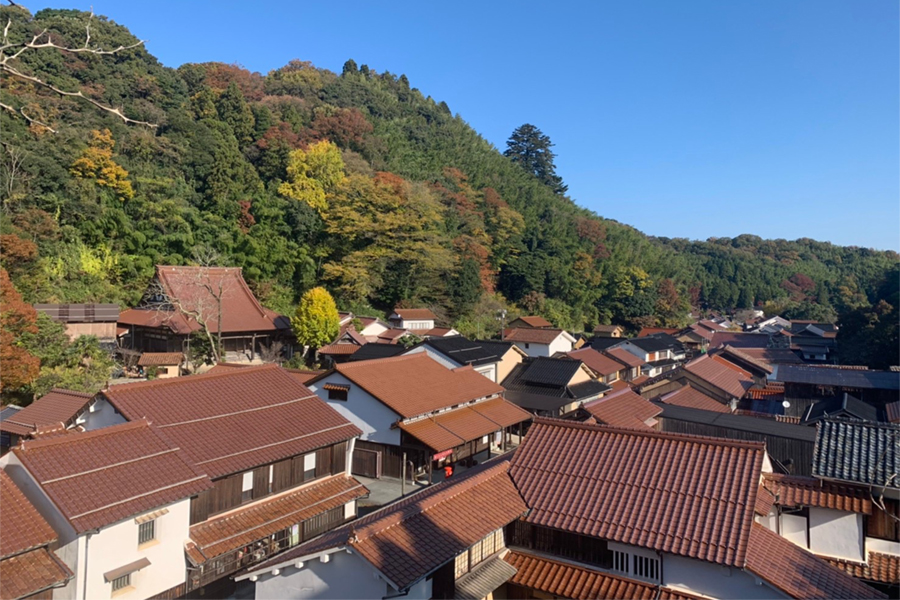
403, 202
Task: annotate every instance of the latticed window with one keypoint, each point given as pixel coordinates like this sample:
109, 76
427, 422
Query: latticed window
462, 564
121, 582
147, 532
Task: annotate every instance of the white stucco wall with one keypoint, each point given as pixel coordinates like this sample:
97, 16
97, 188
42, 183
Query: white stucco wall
634, 350
837, 533
344, 576
715, 581
363, 410
883, 546
489, 371
101, 414
793, 528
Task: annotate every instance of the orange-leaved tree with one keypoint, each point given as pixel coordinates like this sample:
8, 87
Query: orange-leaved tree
19, 366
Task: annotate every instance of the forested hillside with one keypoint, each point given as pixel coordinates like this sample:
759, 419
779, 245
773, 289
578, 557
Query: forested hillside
357, 181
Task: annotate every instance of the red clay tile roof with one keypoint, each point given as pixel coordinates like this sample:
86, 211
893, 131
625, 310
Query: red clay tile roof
103, 476
535, 321
686, 495
719, 373
304, 375
645, 331
625, 357
247, 525
623, 409
597, 362
773, 356
339, 349
21, 526
392, 335
892, 410
798, 573
729, 352
698, 329
411, 538
531, 336
764, 501
710, 325
240, 309
157, 319
608, 328
30, 573
739, 340
236, 419
562, 580
797, 490
56, 406
882, 568
416, 384
415, 314
691, 397
639, 380
438, 331
772, 391
149, 359
619, 385
456, 427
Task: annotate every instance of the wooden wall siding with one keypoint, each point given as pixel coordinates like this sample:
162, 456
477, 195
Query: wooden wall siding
798, 452
391, 457
882, 524
281, 476
323, 461
200, 505
260, 482
339, 458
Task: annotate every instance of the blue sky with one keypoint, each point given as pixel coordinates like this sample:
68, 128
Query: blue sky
685, 119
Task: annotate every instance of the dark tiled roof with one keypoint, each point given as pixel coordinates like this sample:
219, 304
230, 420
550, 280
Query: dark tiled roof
597, 362
21, 526
468, 352
416, 384
883, 380
602, 342
236, 419
651, 343
373, 351
691, 397
739, 340
550, 371
27, 574
103, 476
739, 423
540, 396
797, 490
858, 451
623, 409
588, 389
56, 406
607, 328
892, 410
411, 538
798, 573
844, 405
686, 495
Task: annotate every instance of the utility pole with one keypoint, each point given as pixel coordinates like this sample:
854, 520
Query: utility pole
501, 316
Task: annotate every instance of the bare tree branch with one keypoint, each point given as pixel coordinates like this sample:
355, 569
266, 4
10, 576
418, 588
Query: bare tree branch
30, 120
10, 51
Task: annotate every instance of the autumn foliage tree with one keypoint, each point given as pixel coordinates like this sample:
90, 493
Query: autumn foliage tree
96, 164
316, 321
312, 173
17, 318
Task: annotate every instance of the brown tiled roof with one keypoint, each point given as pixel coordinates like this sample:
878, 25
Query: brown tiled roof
416, 384
535, 321
797, 490
686, 495
691, 397
698, 329
244, 526
438, 331
29, 573
304, 375
764, 501
240, 309
773, 356
531, 336
607, 328
415, 314
562, 580
739, 340
625, 357
411, 538
710, 325
339, 349
623, 409
639, 380
56, 406
772, 391
597, 362
719, 373
149, 359
21, 526
456, 427
236, 419
645, 331
882, 568
391, 335
157, 319
103, 476
730, 352
892, 410
798, 573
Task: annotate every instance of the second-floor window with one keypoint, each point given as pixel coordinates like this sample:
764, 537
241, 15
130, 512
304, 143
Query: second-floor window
479, 552
147, 532
121, 583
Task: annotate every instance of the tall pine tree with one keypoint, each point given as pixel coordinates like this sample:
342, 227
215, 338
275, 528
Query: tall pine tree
530, 148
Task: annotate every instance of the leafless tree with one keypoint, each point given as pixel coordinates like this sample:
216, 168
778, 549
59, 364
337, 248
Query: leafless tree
10, 51
272, 352
891, 474
12, 176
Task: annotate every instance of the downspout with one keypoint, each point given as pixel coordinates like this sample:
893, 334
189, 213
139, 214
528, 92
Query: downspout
87, 542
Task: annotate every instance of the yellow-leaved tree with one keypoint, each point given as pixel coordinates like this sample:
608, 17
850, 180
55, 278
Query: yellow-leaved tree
96, 163
316, 321
313, 173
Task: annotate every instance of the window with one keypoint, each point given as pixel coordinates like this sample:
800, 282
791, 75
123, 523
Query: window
462, 564
337, 395
247, 487
121, 583
620, 562
147, 532
527, 345
646, 567
309, 466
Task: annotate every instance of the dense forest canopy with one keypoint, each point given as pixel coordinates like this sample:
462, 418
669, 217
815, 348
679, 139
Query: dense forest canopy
355, 181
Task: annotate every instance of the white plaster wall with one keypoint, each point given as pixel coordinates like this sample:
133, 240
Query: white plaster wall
883, 546
103, 415
375, 328
634, 350
489, 371
716, 581
837, 533
344, 576
793, 528
560, 344
117, 546
363, 410
534, 349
